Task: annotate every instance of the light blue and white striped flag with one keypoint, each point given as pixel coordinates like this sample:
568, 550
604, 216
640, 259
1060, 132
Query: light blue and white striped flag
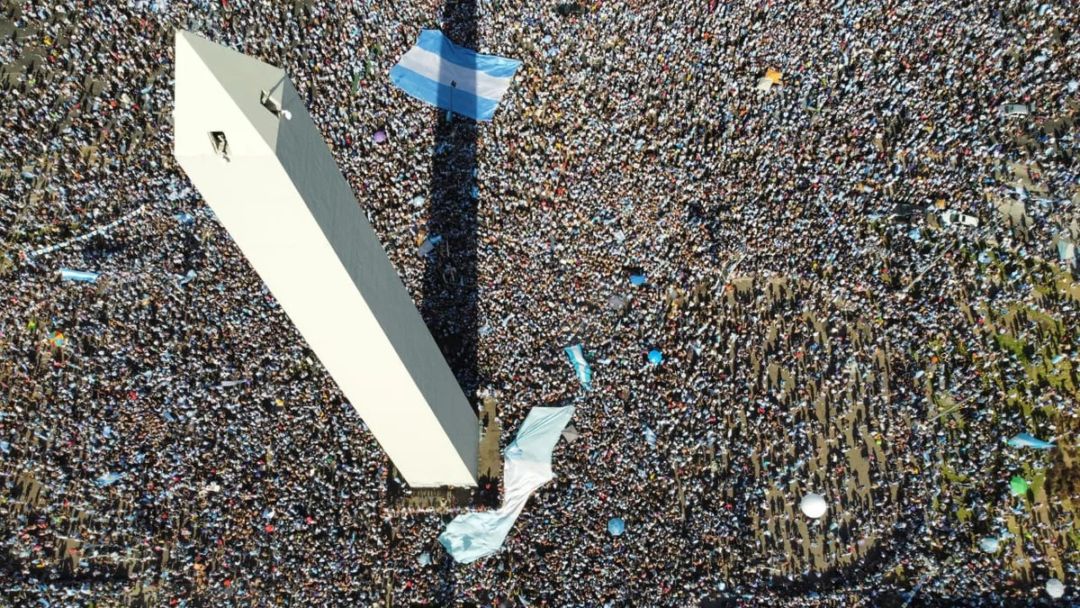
443, 74
1026, 440
108, 479
581, 366
78, 275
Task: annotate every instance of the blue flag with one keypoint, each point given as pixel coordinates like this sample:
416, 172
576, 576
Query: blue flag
108, 479
580, 365
447, 76
1025, 440
650, 436
78, 275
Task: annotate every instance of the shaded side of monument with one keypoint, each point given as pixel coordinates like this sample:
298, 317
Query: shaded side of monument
248, 144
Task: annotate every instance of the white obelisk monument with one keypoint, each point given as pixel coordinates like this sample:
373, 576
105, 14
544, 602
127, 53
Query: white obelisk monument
246, 141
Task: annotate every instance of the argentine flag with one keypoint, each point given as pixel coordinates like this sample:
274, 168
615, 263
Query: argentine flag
1026, 440
78, 275
580, 365
443, 74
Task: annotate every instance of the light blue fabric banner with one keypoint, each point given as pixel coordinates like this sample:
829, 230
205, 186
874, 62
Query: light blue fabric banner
108, 479
580, 365
650, 436
616, 526
445, 75
187, 278
67, 274
526, 467
1025, 440
1066, 251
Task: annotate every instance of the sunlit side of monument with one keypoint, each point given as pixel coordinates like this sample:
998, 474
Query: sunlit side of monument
248, 144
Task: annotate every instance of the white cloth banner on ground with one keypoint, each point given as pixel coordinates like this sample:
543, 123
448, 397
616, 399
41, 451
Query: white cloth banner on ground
527, 466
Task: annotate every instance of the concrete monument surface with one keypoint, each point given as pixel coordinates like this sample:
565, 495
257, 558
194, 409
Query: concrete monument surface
248, 144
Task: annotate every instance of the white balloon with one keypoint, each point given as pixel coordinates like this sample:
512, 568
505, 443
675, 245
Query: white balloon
813, 505
989, 544
1055, 588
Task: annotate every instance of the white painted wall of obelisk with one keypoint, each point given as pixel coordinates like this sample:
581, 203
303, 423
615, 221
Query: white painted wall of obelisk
286, 205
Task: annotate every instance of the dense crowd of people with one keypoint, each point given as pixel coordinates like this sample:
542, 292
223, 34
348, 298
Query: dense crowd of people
826, 323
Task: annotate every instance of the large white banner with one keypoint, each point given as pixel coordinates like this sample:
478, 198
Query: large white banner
527, 466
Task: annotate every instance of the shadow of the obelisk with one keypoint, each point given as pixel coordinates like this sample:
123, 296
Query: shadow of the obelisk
449, 305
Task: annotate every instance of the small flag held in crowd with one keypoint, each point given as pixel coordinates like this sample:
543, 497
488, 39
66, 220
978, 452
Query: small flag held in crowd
80, 276
771, 77
445, 75
187, 278
1018, 485
430, 243
1066, 251
616, 526
229, 383
108, 479
650, 436
1026, 440
580, 365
